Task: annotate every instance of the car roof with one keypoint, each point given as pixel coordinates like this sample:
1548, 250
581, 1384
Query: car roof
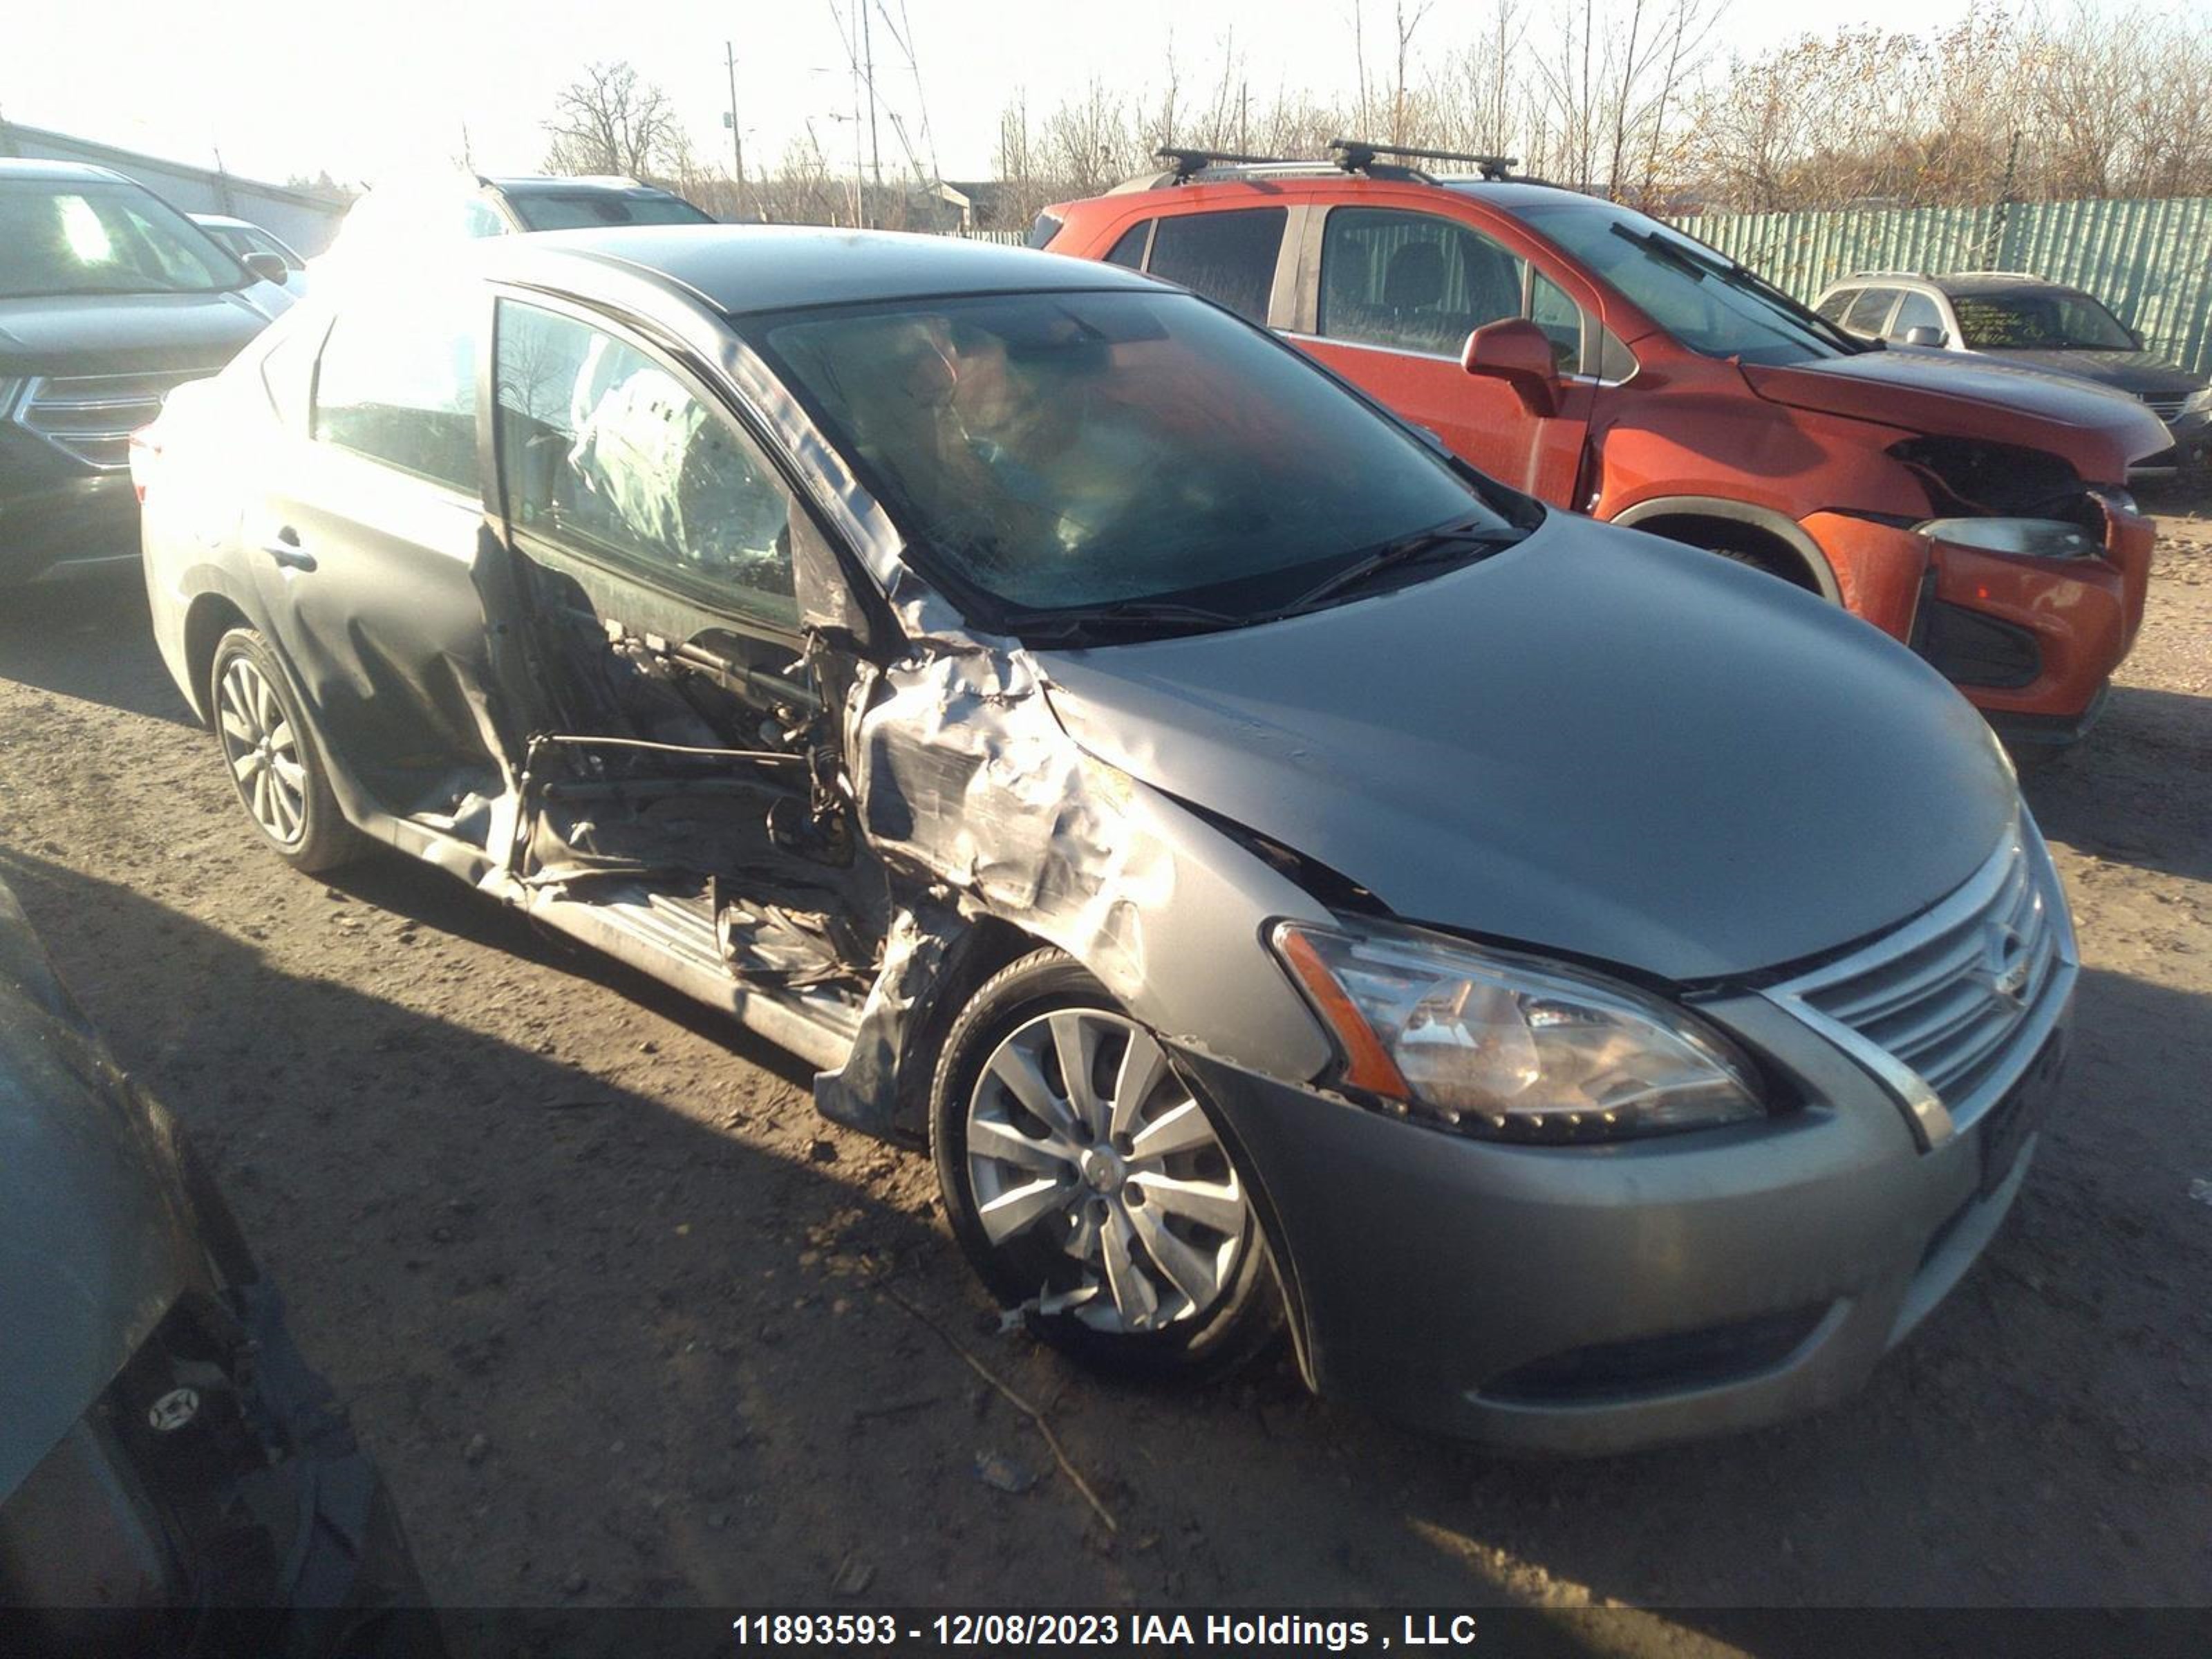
538, 184
25, 167
743, 268
1326, 179
1960, 284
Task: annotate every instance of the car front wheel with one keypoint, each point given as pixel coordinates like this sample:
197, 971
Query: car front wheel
271, 756
1088, 1182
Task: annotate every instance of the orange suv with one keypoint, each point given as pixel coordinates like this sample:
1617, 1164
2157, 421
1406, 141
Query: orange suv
1608, 364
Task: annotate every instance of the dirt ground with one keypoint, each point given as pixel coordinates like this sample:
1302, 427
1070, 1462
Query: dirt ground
593, 1276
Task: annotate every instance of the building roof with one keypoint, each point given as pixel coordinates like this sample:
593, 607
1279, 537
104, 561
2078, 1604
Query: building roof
742, 269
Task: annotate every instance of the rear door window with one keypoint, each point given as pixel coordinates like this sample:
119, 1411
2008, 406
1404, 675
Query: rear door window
1229, 257
1838, 303
609, 452
397, 382
1413, 282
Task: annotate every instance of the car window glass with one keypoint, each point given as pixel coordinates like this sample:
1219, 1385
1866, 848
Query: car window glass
2045, 319
1412, 280
1838, 303
583, 210
1560, 319
1130, 249
397, 382
1229, 257
287, 370
480, 219
1917, 309
102, 239
1080, 448
1615, 362
1869, 310
602, 446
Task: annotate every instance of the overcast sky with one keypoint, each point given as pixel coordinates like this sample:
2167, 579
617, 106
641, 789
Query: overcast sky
374, 89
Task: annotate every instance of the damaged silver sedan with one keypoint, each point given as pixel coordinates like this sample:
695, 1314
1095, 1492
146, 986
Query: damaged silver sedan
1593, 995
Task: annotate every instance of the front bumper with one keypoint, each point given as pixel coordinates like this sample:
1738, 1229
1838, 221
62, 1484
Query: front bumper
1593, 1300
213, 1501
53, 512
2032, 642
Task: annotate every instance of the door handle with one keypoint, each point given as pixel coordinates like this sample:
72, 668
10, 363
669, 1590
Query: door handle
286, 551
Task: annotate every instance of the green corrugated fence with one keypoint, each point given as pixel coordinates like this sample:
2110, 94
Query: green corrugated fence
2150, 261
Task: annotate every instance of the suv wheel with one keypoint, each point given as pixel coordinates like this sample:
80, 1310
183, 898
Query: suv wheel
1087, 1183
271, 756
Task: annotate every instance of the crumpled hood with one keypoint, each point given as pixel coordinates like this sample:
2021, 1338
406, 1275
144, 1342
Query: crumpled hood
128, 333
1597, 742
1959, 395
2139, 373
96, 1238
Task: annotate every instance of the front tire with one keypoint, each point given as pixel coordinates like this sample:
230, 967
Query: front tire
1088, 1182
270, 755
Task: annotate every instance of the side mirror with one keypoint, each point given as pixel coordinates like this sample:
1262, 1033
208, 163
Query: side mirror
267, 266
1925, 334
1519, 353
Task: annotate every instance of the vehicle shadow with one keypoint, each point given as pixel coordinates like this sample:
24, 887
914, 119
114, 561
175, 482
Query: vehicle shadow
2148, 767
604, 1350
86, 634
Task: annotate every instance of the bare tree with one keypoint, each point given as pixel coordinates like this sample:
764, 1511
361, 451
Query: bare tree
608, 120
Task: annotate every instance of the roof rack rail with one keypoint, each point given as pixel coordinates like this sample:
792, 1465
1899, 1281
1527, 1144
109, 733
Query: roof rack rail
1188, 161
1359, 155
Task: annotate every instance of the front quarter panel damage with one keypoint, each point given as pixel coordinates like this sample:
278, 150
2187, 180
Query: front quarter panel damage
984, 810
971, 790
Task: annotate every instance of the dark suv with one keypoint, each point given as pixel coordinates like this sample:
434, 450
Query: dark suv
2015, 317
109, 297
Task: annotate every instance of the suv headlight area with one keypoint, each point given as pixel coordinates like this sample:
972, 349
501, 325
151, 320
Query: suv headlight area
2046, 538
1491, 1044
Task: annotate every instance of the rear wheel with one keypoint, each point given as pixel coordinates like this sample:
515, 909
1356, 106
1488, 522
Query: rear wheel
271, 756
1088, 1182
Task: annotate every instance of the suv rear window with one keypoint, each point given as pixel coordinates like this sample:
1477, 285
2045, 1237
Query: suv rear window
1229, 257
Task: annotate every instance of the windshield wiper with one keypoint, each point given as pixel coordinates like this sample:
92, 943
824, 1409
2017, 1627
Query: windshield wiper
1694, 263
1396, 555
1076, 624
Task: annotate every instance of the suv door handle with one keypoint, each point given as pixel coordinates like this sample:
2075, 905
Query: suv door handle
286, 551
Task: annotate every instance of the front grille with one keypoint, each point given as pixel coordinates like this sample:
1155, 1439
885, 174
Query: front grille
1949, 1009
90, 417
2166, 409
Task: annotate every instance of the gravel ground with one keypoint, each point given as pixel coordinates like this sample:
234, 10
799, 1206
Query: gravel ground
600, 1286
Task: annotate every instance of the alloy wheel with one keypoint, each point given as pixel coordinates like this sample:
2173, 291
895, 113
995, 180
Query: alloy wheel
263, 750
1084, 1146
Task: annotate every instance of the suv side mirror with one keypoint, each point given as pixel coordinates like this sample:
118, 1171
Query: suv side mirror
1924, 334
1519, 353
269, 267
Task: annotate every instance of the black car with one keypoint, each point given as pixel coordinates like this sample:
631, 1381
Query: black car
173, 1478
2018, 317
109, 298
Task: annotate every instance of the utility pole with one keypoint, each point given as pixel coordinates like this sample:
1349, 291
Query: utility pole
736, 137
868, 55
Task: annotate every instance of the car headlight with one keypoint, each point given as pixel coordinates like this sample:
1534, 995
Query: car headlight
1498, 1045
2048, 538
2198, 403
10, 390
